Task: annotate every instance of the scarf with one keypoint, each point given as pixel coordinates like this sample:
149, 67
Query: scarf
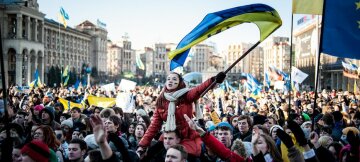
172, 97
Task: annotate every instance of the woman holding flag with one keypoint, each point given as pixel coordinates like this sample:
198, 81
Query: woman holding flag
174, 101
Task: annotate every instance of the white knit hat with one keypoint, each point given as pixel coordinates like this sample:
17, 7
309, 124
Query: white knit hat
67, 122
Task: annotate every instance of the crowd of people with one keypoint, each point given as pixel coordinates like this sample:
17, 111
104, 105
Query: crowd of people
176, 124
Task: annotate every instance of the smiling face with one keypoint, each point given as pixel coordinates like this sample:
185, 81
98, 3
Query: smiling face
172, 81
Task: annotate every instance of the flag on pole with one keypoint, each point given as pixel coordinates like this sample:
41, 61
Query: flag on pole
266, 18
341, 29
139, 63
66, 76
297, 75
63, 17
37, 81
313, 7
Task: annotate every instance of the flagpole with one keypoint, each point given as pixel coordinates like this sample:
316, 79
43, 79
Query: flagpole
317, 64
231, 66
61, 82
291, 56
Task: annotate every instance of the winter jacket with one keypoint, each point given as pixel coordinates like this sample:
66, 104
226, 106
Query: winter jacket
220, 149
190, 138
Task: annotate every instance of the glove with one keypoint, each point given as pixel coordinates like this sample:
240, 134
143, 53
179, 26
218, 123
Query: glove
285, 138
220, 77
298, 132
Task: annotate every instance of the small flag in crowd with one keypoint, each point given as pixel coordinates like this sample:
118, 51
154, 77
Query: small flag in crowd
68, 105
297, 75
66, 76
37, 81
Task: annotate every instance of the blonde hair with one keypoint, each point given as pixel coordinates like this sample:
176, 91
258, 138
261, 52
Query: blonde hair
325, 141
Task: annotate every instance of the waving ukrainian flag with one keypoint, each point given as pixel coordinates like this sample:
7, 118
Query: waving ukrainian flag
63, 17
37, 81
265, 17
66, 75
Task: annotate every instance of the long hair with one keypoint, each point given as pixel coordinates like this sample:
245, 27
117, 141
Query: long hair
274, 152
49, 137
161, 99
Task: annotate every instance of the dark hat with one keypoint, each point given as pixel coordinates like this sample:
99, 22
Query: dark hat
337, 116
37, 151
50, 110
318, 117
59, 105
259, 119
78, 126
328, 118
19, 130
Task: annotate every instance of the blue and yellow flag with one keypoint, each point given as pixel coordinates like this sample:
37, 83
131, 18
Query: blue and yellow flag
252, 84
265, 17
63, 17
37, 81
68, 105
66, 75
341, 28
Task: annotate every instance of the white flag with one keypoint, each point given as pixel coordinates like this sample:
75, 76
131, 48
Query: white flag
297, 75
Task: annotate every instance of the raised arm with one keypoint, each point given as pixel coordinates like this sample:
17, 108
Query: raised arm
153, 129
215, 145
194, 94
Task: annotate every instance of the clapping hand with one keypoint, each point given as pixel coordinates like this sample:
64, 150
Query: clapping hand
100, 133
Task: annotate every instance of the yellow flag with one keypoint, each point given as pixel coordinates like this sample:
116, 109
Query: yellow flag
101, 101
313, 7
68, 105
